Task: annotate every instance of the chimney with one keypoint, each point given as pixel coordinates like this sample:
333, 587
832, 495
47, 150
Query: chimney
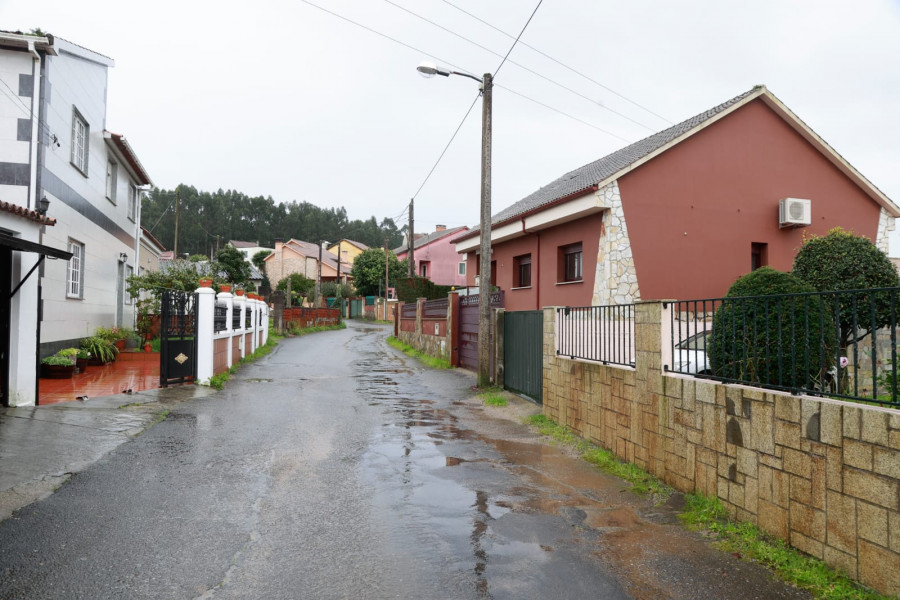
440, 228
278, 244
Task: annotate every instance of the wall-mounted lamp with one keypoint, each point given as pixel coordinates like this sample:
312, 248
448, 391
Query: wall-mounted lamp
43, 206
123, 257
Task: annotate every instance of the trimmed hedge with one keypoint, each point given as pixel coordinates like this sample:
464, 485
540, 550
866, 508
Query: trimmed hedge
411, 289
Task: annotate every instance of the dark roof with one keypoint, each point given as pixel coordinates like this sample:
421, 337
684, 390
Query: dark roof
240, 244
312, 251
591, 174
121, 144
424, 240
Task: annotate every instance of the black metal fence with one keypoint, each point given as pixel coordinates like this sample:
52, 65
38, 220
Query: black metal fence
219, 319
840, 344
604, 334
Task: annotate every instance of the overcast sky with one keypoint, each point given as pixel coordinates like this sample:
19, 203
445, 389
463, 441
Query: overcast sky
282, 99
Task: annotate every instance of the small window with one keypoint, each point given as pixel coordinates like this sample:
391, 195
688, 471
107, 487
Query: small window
462, 268
570, 263
132, 201
759, 255
111, 180
75, 275
423, 269
80, 139
522, 271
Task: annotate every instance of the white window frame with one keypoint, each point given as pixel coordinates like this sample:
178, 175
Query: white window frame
129, 271
132, 201
81, 133
462, 268
111, 180
75, 271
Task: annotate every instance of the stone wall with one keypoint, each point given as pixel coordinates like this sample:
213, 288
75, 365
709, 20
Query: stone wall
821, 474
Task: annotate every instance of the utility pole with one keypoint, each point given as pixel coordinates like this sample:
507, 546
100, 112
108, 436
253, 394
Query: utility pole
484, 283
411, 257
387, 262
319, 276
339, 305
177, 211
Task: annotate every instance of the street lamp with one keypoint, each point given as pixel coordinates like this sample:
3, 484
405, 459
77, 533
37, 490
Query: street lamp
428, 69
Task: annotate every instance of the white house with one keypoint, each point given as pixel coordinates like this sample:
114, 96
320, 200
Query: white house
54, 147
91, 177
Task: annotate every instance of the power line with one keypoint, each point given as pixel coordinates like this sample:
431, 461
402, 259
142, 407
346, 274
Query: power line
516, 41
560, 63
520, 65
453, 137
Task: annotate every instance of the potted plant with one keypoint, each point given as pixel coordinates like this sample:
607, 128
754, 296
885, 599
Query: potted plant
101, 350
113, 335
148, 347
81, 360
60, 365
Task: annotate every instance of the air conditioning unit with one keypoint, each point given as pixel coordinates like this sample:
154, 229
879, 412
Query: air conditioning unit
794, 212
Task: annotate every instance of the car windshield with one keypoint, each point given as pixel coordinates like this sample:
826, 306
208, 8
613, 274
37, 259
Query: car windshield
695, 342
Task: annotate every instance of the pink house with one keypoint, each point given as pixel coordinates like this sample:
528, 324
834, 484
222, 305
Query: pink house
436, 257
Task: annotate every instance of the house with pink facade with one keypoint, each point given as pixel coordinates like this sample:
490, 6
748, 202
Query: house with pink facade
435, 256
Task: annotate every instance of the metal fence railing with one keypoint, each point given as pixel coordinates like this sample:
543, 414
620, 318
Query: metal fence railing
408, 311
604, 334
840, 344
219, 319
236, 318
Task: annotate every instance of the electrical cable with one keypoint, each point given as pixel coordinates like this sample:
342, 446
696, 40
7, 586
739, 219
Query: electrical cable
560, 63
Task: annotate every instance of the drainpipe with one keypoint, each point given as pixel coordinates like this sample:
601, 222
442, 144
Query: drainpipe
537, 265
35, 122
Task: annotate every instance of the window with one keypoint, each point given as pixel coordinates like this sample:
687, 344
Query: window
129, 271
522, 271
462, 268
75, 276
132, 201
423, 269
111, 176
80, 138
759, 255
570, 263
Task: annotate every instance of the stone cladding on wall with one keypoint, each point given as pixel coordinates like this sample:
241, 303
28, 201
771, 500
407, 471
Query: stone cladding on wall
615, 279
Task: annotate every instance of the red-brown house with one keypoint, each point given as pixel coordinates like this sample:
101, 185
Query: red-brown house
682, 213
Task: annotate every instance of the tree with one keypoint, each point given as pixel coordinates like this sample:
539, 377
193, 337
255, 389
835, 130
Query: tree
230, 261
300, 286
331, 288
259, 260
368, 271
844, 261
770, 330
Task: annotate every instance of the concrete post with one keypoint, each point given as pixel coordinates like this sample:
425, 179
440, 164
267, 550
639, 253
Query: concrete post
239, 307
206, 310
226, 299
498, 347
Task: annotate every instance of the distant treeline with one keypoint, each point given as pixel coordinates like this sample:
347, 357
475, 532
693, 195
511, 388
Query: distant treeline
208, 220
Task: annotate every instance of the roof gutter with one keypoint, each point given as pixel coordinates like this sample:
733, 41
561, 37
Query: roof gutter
561, 200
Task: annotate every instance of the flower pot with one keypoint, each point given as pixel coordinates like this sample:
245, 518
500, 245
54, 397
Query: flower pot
119, 344
224, 288
239, 292
82, 364
205, 282
58, 371
148, 347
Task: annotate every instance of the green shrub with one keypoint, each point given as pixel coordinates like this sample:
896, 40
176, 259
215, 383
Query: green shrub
100, 348
59, 361
409, 289
760, 335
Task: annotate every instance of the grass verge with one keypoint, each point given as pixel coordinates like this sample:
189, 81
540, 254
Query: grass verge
493, 396
317, 329
744, 540
747, 541
642, 483
430, 361
218, 381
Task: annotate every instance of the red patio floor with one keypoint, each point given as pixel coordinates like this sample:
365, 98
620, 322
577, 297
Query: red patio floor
135, 371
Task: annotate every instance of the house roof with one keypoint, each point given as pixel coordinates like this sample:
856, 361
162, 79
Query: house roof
240, 244
119, 142
424, 240
26, 213
19, 40
152, 239
359, 245
312, 251
612, 166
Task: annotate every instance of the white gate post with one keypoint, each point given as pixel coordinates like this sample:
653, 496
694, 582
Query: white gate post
206, 311
239, 304
227, 299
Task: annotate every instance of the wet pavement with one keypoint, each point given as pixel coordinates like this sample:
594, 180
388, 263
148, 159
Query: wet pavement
339, 468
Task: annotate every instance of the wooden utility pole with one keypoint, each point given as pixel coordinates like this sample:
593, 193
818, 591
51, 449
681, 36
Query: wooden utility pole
484, 282
319, 276
411, 257
339, 305
177, 211
387, 262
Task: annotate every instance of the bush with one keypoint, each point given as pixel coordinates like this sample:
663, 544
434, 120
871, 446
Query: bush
763, 336
410, 289
843, 261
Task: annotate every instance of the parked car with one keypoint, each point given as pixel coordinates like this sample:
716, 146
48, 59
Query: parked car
690, 355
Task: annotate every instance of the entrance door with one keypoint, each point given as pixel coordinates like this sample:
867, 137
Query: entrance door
468, 328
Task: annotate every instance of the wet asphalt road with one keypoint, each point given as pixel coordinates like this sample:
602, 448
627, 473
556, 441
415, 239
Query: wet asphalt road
339, 468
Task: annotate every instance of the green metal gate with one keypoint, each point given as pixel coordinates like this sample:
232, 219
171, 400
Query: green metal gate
523, 353
356, 308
